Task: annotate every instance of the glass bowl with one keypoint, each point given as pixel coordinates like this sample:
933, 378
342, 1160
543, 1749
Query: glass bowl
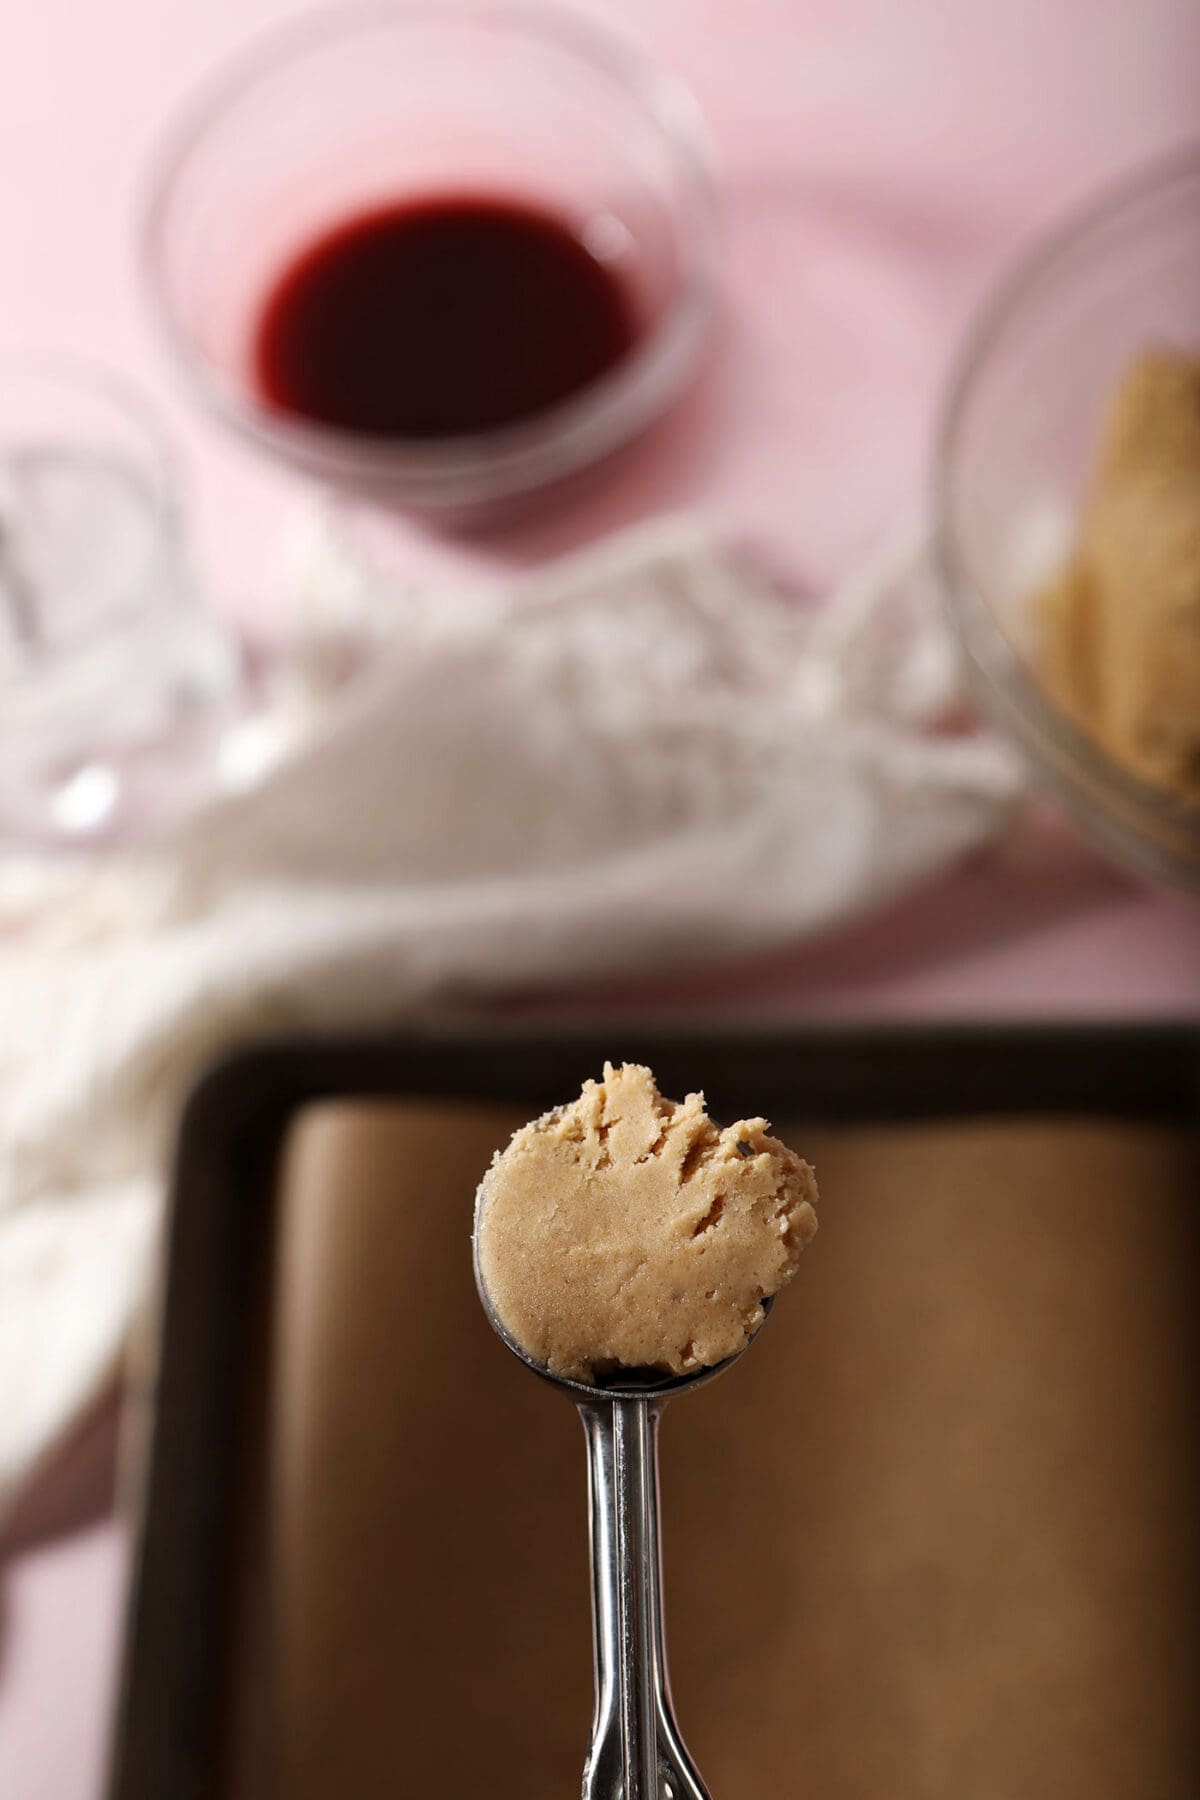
1015, 447
112, 673
359, 106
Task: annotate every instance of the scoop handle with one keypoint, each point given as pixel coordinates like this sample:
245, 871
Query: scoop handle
636, 1752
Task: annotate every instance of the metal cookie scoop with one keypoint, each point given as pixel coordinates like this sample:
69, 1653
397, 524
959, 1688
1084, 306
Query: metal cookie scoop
637, 1752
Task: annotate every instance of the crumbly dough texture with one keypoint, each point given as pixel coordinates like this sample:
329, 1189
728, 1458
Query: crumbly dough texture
628, 1231
1121, 623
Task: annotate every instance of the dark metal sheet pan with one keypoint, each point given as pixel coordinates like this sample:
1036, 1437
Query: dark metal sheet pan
219, 1237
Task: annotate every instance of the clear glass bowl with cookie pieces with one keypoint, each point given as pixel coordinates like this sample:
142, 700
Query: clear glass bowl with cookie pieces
1067, 514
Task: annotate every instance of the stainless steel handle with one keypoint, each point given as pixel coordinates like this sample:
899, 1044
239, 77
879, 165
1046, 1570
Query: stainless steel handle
637, 1752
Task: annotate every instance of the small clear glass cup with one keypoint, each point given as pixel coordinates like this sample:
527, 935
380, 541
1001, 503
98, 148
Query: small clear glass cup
112, 675
366, 104
1017, 438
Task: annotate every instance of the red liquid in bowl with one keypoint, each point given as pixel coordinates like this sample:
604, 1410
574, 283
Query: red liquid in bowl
440, 317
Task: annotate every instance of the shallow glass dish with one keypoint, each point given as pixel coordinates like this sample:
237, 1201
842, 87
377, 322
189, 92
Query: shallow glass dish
367, 104
1016, 440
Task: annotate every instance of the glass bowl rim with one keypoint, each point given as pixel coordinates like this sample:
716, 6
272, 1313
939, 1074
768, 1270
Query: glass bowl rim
515, 458
1080, 764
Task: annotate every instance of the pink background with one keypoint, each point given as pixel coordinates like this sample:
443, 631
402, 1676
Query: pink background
880, 161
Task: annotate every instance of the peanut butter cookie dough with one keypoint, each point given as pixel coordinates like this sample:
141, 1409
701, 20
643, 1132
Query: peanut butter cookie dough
628, 1231
1120, 626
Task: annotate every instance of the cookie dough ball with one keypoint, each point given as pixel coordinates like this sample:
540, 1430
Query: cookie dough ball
629, 1231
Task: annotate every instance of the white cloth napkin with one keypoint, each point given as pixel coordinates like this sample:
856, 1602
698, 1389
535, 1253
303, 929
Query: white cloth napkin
645, 757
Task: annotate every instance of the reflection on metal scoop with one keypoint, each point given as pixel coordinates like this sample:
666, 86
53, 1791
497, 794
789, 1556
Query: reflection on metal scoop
637, 1752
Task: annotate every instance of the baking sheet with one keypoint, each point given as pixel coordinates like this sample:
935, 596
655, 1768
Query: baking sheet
936, 1535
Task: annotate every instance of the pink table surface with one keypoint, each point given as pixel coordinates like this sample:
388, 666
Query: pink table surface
880, 162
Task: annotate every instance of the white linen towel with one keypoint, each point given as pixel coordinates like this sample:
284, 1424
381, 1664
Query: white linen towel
643, 756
